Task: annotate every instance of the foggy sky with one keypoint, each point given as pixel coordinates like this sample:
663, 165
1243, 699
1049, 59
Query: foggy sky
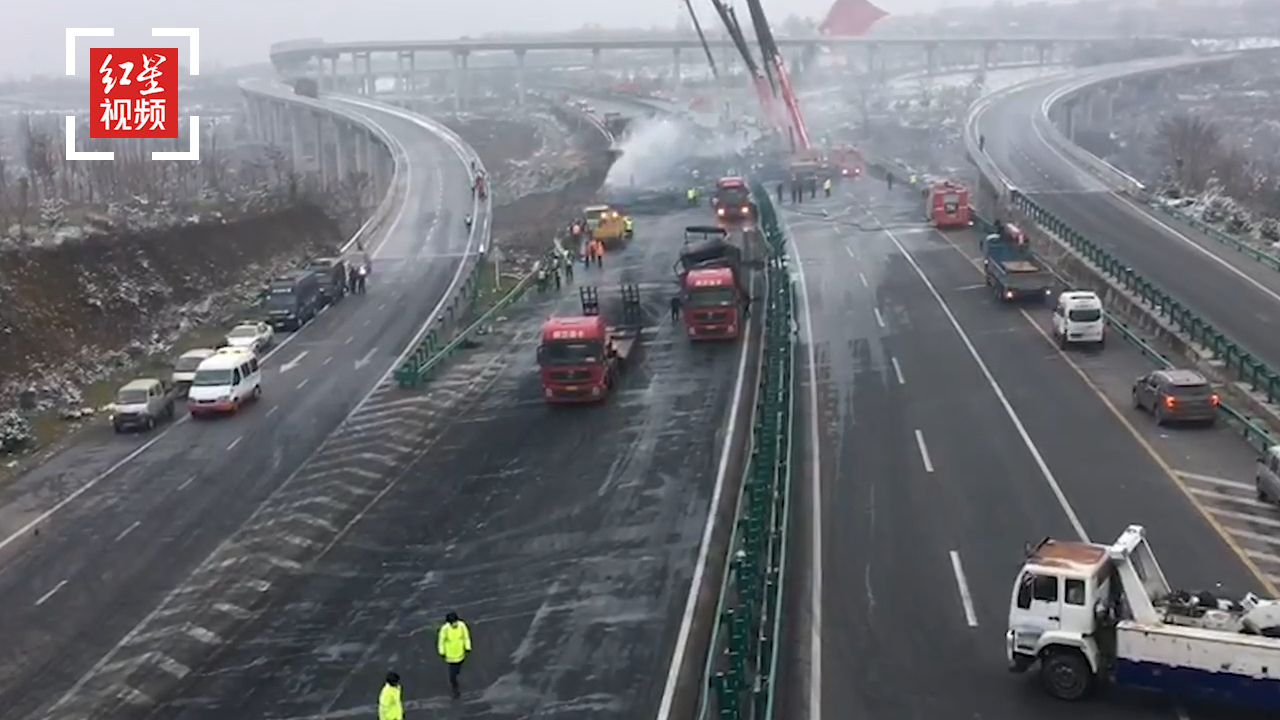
241, 31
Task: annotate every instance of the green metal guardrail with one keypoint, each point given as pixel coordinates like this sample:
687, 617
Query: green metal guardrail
739, 677
1249, 369
434, 349
1235, 243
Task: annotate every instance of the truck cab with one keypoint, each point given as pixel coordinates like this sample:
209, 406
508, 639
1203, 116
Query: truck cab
712, 288
293, 299
732, 200
581, 357
1089, 614
947, 205
846, 161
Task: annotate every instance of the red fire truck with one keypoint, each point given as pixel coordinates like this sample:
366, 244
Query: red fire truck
846, 161
732, 200
947, 205
713, 290
581, 357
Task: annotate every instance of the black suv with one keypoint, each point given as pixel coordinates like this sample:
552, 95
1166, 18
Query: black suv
1176, 396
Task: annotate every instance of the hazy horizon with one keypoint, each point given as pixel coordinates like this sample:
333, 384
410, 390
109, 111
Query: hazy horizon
242, 31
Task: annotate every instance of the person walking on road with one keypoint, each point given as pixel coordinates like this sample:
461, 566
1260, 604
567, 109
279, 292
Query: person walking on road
389, 707
675, 308
453, 643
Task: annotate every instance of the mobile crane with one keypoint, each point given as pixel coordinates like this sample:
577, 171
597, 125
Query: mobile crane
1090, 615
800, 142
759, 80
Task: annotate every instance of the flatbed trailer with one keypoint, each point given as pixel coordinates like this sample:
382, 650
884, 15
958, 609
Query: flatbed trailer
1010, 268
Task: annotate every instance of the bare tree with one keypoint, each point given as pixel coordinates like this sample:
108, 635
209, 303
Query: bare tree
1192, 146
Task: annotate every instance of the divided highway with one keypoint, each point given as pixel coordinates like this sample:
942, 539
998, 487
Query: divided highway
1237, 295
96, 538
946, 432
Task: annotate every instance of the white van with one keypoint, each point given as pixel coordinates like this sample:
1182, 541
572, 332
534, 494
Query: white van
225, 381
1078, 318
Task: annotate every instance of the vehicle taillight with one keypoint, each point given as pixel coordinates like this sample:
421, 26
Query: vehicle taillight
745, 208
1213, 399
720, 211
1170, 401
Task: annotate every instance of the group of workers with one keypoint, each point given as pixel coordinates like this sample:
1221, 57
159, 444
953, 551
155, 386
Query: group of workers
799, 185
453, 644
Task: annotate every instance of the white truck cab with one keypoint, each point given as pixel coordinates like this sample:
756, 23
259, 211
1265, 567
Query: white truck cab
1078, 318
1090, 614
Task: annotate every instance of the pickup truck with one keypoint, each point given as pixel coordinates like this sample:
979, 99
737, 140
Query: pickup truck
1011, 269
143, 403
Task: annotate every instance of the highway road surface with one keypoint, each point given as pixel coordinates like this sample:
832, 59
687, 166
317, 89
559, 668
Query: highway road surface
94, 539
565, 536
951, 433
1237, 295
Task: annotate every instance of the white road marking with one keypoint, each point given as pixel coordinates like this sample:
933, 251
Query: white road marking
879, 317
303, 383
234, 443
1215, 480
897, 370
45, 597
704, 549
368, 358
327, 360
383, 306
273, 410
863, 279
849, 250
294, 362
966, 598
924, 452
367, 322
349, 340
815, 496
1215, 496
1012, 414
128, 530
187, 482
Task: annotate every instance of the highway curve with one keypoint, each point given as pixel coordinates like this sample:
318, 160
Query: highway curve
1237, 295
120, 521
565, 536
924, 478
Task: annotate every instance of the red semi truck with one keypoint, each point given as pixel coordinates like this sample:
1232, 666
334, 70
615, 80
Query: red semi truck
712, 288
581, 357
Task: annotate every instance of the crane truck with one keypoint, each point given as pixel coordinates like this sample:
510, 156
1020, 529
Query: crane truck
1089, 615
581, 357
1011, 269
712, 286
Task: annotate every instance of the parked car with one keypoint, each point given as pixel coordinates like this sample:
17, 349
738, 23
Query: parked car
142, 404
184, 369
1176, 396
256, 336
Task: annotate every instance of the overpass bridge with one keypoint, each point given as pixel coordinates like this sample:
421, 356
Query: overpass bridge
355, 66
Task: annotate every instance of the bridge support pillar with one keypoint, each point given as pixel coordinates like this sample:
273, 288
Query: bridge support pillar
332, 82
323, 170
459, 79
931, 58
596, 74
675, 66
361, 151
341, 147
987, 50
1043, 52
520, 55
873, 59
295, 137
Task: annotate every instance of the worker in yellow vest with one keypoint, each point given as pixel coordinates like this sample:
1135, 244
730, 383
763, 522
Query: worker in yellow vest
389, 707
453, 643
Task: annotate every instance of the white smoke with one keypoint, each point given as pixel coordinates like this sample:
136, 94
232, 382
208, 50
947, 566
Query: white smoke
657, 147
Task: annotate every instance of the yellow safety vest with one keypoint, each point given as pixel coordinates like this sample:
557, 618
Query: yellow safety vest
454, 642
389, 707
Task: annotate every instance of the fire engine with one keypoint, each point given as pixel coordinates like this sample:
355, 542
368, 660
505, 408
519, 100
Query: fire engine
947, 205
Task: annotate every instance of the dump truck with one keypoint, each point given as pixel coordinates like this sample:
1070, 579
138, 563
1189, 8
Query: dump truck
1088, 615
581, 357
1011, 269
606, 224
713, 289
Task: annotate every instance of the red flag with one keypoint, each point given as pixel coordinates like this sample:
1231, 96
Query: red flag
851, 18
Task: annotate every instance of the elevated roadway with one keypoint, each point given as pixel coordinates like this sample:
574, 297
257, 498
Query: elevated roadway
96, 538
944, 431
1237, 295
565, 537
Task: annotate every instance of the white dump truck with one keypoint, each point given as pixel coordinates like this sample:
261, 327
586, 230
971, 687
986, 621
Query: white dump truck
1088, 615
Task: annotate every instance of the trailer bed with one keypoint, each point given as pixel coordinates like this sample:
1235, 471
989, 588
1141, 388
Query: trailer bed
1019, 266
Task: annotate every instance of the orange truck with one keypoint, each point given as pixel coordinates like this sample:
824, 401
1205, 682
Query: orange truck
712, 288
947, 205
581, 357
